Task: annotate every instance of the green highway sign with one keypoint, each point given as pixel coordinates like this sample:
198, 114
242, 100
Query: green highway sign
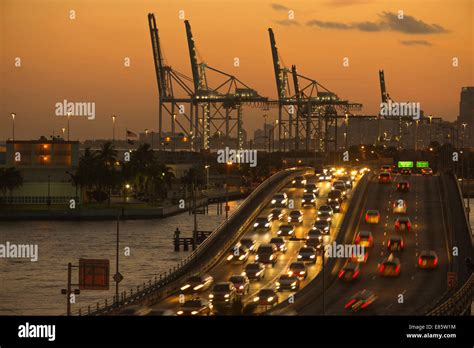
405, 164
422, 164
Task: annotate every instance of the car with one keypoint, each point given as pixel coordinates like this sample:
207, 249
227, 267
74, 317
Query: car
223, 293
307, 254
276, 214
403, 186
403, 222
195, 307
287, 282
399, 206
280, 243
254, 271
262, 224
334, 196
286, 231
309, 199
335, 206
267, 253
324, 216
347, 180
390, 266
238, 253
426, 171
266, 297
250, 244
297, 268
322, 225
295, 216
365, 239
428, 259
279, 200
372, 216
339, 185
359, 258
385, 178
314, 242
318, 234
241, 283
386, 168
197, 283
350, 271
299, 182
325, 209
405, 171
311, 188
361, 300
395, 243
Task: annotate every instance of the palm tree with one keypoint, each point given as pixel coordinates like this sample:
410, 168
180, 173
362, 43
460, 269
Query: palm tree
10, 180
107, 155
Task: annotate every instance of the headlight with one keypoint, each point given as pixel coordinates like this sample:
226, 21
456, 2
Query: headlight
185, 287
241, 287
194, 312
299, 256
271, 257
256, 298
312, 256
230, 257
294, 181
226, 295
255, 224
293, 284
244, 273
273, 201
241, 257
197, 287
302, 272
256, 257
337, 207
267, 224
277, 283
179, 312
211, 295
270, 299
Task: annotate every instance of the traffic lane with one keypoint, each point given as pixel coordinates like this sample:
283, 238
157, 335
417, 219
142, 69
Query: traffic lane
428, 285
339, 293
225, 270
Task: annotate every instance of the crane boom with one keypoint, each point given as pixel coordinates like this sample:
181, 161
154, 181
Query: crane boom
276, 65
193, 57
157, 56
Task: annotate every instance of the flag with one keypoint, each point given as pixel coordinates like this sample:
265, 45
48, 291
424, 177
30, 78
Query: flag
131, 134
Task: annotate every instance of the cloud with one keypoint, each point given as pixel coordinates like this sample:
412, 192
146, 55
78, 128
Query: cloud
279, 7
416, 43
287, 22
388, 22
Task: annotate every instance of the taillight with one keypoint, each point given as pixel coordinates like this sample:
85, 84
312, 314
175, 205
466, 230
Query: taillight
350, 303
341, 273
366, 217
388, 244
420, 261
397, 269
435, 261
401, 244
382, 268
365, 304
356, 273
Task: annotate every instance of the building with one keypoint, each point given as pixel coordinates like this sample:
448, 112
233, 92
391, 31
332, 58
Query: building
466, 112
45, 166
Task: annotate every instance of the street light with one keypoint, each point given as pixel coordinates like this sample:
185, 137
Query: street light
13, 126
207, 175
113, 128
68, 116
64, 131
431, 118
228, 165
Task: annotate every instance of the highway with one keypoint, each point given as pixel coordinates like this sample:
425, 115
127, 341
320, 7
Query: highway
417, 286
224, 269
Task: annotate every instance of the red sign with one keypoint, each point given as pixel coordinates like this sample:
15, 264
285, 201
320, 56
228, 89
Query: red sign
94, 274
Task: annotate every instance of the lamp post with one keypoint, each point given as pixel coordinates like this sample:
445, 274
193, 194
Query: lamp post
13, 126
431, 118
68, 116
207, 175
63, 130
113, 127
228, 165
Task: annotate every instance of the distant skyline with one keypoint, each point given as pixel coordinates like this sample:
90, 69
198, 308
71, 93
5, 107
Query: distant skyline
84, 59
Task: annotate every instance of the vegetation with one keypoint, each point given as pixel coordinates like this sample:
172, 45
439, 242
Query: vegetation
10, 179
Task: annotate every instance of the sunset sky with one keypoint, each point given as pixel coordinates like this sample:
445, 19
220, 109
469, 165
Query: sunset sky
83, 59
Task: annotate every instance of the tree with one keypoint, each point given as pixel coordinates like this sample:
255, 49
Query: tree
10, 180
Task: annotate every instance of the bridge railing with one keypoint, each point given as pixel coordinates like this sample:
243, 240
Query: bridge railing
459, 302
167, 282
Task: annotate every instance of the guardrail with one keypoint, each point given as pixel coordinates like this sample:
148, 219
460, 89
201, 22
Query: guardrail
314, 288
167, 282
459, 303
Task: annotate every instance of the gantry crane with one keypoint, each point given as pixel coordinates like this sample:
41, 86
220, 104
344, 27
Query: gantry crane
309, 110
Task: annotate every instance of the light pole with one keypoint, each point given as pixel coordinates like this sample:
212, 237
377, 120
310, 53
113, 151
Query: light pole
228, 165
113, 127
207, 175
431, 118
13, 126
68, 116
64, 131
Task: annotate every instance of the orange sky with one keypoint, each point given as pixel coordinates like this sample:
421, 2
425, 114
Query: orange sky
82, 59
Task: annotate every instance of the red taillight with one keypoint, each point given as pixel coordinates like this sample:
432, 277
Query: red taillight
435, 261
401, 244
350, 303
388, 244
408, 225
366, 217
420, 261
397, 269
356, 273
397, 224
341, 273
357, 240
382, 268
365, 304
